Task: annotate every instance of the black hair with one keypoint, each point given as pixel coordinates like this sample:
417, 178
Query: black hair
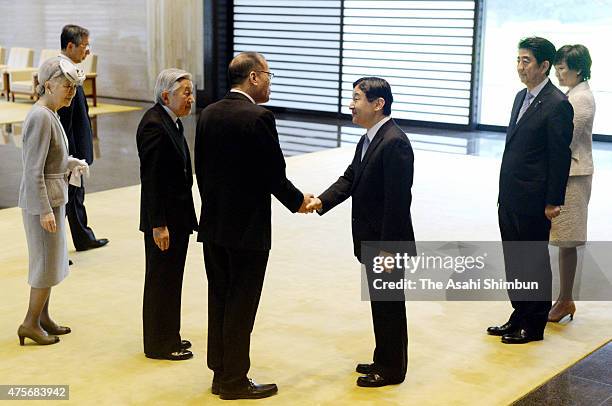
542, 49
373, 88
577, 58
72, 33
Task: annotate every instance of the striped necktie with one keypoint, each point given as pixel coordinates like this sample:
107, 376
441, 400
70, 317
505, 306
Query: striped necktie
525, 106
364, 147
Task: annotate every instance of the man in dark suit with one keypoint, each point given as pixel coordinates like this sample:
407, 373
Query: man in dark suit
534, 171
239, 165
379, 180
167, 213
76, 123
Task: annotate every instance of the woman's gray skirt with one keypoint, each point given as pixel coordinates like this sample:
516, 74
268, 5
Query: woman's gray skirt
569, 229
47, 252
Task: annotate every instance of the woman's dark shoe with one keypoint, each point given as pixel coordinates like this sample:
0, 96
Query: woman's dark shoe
42, 339
55, 329
561, 309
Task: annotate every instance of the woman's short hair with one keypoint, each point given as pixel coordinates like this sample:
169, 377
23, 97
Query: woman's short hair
373, 88
577, 58
169, 80
50, 69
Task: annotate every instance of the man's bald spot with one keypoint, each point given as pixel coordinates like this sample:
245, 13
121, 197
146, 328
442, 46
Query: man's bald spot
242, 64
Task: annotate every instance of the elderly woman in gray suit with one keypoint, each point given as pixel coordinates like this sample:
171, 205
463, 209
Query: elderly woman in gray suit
43, 194
569, 229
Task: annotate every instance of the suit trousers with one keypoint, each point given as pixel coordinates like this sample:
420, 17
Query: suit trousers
526, 259
235, 280
390, 326
77, 217
161, 310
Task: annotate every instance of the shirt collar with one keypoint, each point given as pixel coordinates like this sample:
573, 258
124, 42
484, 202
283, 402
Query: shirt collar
536, 90
372, 131
170, 113
243, 93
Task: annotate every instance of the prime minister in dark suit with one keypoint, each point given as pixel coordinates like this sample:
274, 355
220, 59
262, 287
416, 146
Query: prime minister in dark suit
379, 180
167, 213
239, 165
533, 176
77, 125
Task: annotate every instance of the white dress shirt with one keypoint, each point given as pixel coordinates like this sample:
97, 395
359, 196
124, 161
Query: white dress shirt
243, 93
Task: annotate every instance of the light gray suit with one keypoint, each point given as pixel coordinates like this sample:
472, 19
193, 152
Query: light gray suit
569, 229
44, 189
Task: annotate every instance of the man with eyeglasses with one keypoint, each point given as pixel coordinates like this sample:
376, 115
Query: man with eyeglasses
239, 165
76, 123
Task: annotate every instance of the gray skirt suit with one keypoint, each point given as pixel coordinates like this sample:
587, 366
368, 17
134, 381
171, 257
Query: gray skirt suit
44, 189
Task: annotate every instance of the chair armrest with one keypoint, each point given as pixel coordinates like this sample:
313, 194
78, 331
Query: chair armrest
18, 75
11, 70
90, 75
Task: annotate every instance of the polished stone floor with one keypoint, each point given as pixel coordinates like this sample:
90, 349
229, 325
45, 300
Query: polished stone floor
589, 382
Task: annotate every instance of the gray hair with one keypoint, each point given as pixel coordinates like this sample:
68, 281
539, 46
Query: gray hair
50, 69
168, 80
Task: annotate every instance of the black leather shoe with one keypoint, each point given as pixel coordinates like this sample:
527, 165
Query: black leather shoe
251, 390
365, 368
185, 345
520, 337
375, 380
180, 355
93, 244
215, 388
507, 328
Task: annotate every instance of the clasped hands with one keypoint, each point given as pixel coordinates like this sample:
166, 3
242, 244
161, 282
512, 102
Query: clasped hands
310, 204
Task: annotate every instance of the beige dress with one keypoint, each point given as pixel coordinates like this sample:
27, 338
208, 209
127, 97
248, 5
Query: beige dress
569, 229
44, 189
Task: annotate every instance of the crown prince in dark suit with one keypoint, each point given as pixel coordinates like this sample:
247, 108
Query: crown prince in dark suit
379, 181
167, 213
239, 165
534, 171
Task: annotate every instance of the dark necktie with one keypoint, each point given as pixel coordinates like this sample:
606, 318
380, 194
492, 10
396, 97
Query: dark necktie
364, 146
180, 126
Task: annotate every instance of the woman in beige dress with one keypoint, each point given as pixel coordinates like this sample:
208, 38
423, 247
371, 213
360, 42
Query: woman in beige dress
569, 229
43, 194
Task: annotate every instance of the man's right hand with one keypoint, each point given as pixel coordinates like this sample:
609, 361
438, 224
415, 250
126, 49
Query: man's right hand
315, 204
161, 235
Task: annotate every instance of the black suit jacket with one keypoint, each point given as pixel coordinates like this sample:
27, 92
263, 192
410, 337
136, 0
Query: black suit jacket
165, 174
536, 161
380, 186
77, 125
239, 164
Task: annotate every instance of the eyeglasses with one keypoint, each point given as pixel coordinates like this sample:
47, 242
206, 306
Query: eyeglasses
270, 74
86, 46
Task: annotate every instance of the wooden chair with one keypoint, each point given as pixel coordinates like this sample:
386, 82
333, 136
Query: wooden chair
18, 58
89, 66
24, 81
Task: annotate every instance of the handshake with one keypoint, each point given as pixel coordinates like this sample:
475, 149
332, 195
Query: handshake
310, 204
